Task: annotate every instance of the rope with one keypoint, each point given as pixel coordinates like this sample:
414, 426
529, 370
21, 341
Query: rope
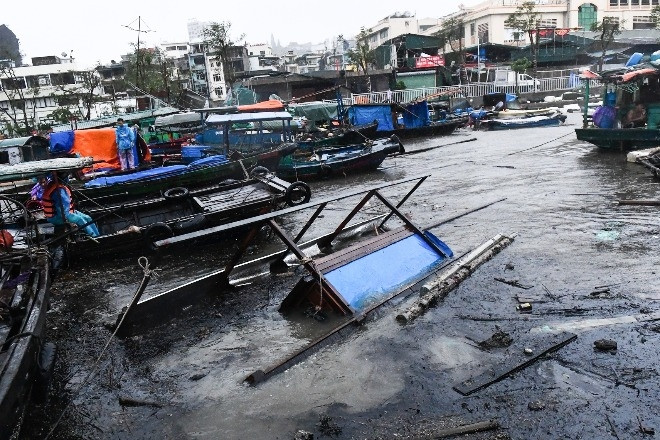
540, 145
143, 262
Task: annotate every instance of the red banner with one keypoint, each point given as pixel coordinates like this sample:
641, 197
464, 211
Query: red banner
431, 61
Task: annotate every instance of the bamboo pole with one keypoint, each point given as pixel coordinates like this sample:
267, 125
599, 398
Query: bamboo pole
435, 290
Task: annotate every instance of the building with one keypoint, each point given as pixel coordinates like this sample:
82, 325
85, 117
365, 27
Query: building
196, 30
261, 57
485, 22
51, 83
398, 24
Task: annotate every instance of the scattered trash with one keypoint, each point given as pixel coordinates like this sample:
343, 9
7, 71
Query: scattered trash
607, 235
524, 308
303, 435
600, 292
488, 425
197, 376
129, 401
528, 351
498, 340
605, 345
509, 266
536, 405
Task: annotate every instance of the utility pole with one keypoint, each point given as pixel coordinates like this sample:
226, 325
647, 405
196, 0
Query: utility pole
138, 58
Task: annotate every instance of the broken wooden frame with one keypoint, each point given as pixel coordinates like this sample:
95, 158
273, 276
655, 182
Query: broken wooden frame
168, 303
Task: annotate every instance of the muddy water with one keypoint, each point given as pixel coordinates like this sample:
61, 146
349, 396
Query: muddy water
386, 380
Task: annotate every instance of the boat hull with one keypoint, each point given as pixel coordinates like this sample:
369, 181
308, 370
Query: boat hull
620, 138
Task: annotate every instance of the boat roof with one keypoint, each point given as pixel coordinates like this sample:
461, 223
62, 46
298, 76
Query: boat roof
26, 170
178, 118
249, 117
21, 141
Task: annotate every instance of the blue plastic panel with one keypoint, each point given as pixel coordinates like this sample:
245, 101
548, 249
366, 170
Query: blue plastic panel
370, 278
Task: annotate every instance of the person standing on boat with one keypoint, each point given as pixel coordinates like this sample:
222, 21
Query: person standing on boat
125, 137
57, 204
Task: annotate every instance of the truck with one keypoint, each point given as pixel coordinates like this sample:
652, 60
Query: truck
505, 78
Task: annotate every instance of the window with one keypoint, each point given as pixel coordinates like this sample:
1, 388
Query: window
217, 78
634, 2
67, 100
219, 92
383, 34
482, 32
170, 48
587, 16
182, 47
614, 2
645, 2
548, 23
472, 29
642, 22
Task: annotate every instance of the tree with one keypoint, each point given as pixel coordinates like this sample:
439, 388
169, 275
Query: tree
362, 56
15, 90
219, 43
151, 72
61, 115
608, 28
655, 16
527, 19
453, 33
519, 66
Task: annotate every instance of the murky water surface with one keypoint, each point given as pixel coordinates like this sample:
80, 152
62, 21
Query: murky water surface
386, 380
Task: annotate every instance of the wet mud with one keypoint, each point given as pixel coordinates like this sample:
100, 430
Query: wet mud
584, 265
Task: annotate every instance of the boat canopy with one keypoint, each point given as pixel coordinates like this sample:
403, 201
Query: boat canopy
178, 119
248, 117
366, 114
270, 105
26, 170
23, 141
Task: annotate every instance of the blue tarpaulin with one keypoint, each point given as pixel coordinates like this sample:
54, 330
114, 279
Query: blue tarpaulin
360, 115
416, 115
61, 142
371, 277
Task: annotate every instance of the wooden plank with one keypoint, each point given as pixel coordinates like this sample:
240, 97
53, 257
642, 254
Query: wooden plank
352, 253
515, 362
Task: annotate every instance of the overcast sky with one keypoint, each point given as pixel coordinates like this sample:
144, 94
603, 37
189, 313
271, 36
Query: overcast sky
95, 31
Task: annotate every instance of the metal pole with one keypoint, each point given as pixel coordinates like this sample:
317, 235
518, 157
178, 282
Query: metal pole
586, 104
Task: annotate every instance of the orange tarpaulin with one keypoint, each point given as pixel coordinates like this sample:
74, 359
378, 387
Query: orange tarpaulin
100, 143
630, 75
263, 106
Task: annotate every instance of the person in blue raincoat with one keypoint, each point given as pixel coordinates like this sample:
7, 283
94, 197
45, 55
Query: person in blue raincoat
58, 208
125, 137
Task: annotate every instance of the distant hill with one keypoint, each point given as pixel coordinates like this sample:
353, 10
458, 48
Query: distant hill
9, 48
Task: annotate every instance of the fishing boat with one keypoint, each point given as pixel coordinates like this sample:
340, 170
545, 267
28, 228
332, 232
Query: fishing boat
325, 163
522, 122
26, 359
611, 127
136, 224
414, 120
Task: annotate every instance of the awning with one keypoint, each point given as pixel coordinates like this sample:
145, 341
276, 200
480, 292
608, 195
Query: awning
588, 74
248, 117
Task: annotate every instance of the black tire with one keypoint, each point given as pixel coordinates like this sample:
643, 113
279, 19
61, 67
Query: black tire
177, 193
293, 192
259, 171
47, 356
155, 232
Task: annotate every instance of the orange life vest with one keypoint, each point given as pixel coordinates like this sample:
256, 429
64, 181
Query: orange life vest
47, 200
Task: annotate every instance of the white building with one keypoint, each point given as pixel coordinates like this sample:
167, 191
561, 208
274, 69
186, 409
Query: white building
484, 22
41, 89
196, 30
398, 24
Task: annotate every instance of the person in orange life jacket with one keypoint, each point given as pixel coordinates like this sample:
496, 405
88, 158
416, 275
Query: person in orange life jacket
125, 137
56, 199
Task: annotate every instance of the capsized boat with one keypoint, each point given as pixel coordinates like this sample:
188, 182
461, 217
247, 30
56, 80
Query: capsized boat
525, 122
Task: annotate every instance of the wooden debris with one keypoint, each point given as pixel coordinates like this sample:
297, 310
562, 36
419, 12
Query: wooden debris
518, 361
513, 283
488, 425
605, 345
129, 401
645, 429
639, 202
433, 291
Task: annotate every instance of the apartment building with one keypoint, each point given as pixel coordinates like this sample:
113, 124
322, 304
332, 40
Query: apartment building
398, 24
38, 90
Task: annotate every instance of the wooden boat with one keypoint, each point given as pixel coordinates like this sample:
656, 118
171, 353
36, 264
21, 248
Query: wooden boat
338, 161
415, 120
26, 360
620, 138
344, 136
626, 87
529, 122
136, 224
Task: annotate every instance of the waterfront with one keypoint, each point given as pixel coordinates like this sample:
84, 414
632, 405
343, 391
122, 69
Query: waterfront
388, 380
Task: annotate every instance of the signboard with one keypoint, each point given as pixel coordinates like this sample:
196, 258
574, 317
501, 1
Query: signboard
430, 61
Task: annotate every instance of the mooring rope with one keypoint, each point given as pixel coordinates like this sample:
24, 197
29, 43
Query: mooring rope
143, 262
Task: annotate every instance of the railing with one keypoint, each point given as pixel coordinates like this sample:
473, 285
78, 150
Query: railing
469, 90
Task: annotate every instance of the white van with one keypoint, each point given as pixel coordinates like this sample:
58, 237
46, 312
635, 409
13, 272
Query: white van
508, 78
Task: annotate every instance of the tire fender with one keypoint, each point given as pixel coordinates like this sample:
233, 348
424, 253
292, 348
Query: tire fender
177, 193
290, 195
